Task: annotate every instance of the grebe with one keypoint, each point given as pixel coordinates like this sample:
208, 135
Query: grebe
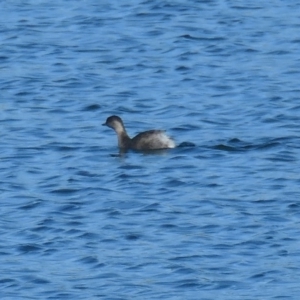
147, 140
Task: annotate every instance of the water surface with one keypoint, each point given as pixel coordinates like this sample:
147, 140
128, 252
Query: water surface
220, 220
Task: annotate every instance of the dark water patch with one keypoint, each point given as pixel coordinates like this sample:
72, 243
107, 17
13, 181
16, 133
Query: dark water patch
247, 7
188, 283
168, 226
87, 174
275, 219
92, 107
29, 248
158, 152
278, 186
282, 253
38, 280
70, 207
113, 213
178, 157
293, 206
131, 167
58, 111
7, 281
279, 52
223, 247
81, 287
224, 284
267, 145
47, 221
225, 148
107, 241
238, 145
74, 231
66, 148
154, 207
263, 202
253, 243
250, 50
23, 94
205, 39
235, 141
32, 205
175, 182
127, 176
117, 155
186, 258
186, 145
182, 68
42, 229
213, 185
89, 236
89, 260
185, 270
274, 119
2, 57
132, 237
261, 275
124, 109
283, 158
64, 191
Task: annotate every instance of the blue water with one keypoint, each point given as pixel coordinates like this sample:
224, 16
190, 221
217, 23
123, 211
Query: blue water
220, 220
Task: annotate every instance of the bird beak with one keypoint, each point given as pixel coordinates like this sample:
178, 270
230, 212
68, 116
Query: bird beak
104, 124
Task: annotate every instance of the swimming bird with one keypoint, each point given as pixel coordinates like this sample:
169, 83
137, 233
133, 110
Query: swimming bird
147, 140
